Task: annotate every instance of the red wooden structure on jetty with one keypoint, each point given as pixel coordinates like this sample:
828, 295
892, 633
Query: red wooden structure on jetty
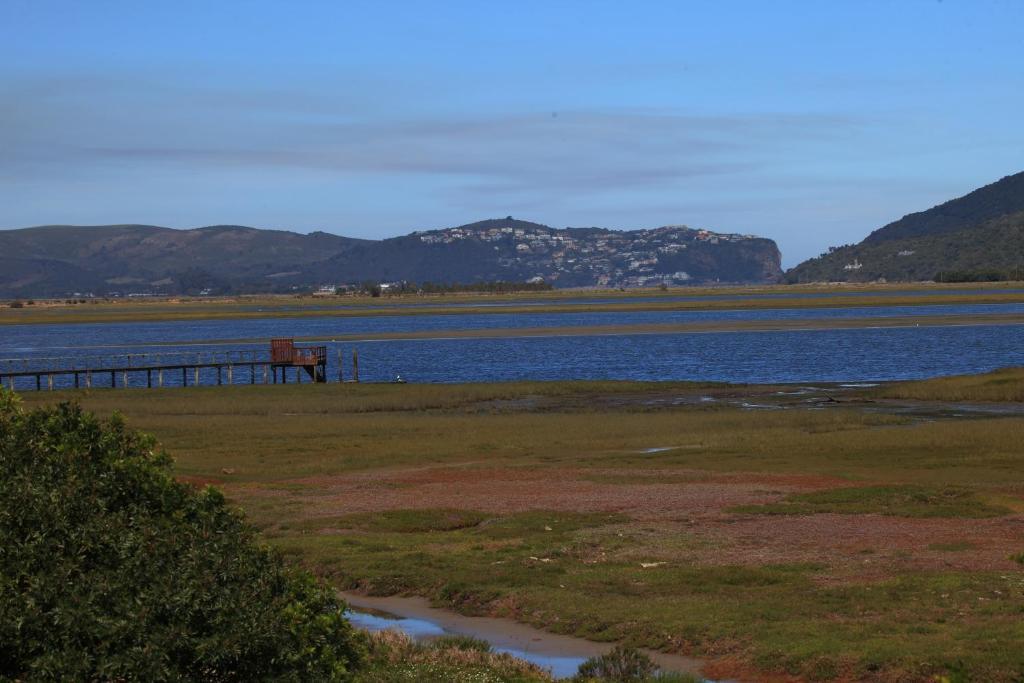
285, 354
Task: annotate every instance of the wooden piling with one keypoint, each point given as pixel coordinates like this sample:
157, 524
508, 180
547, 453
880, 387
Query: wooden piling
160, 378
49, 382
355, 365
196, 376
88, 379
39, 383
149, 379
341, 368
231, 379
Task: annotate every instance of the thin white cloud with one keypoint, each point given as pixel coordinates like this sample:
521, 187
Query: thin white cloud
89, 123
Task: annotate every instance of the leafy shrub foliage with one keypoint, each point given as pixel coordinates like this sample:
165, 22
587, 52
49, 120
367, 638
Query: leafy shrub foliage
112, 570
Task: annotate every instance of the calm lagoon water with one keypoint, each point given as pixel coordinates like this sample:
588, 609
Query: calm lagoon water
847, 355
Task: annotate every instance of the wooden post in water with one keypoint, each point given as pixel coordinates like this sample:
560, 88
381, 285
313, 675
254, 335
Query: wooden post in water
113, 380
126, 378
355, 364
88, 379
341, 368
49, 381
149, 378
39, 383
265, 373
184, 377
76, 380
160, 378
230, 374
219, 382
196, 376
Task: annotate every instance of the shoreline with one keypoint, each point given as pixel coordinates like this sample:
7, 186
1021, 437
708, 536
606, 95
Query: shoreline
508, 634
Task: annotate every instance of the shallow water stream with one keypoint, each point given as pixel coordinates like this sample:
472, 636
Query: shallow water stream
560, 654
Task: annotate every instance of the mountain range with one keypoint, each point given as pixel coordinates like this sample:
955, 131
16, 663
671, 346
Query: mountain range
977, 236
60, 261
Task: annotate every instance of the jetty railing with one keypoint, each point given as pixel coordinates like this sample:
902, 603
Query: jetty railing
162, 369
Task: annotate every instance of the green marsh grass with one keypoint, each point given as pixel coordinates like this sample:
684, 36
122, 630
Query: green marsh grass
276, 451
897, 501
395, 658
1006, 384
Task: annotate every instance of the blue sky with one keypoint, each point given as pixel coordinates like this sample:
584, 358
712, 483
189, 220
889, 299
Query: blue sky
809, 122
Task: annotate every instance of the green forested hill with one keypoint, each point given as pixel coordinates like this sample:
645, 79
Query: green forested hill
979, 235
995, 248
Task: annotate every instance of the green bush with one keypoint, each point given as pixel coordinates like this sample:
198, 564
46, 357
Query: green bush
112, 570
622, 663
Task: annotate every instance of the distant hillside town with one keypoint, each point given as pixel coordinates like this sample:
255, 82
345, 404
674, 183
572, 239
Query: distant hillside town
603, 258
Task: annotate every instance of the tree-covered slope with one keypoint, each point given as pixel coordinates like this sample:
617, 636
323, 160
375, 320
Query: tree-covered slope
993, 250
977, 235
1001, 198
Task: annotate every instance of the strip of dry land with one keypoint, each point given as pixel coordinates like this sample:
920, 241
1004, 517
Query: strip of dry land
583, 330
831, 533
235, 308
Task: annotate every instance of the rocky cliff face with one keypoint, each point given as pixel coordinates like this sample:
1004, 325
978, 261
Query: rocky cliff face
133, 259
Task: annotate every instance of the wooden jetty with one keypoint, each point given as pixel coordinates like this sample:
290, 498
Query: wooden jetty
153, 370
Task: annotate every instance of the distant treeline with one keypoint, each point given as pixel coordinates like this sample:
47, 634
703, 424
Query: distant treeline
979, 275
495, 287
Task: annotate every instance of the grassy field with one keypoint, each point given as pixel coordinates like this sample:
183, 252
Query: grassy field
850, 541
1001, 385
725, 298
